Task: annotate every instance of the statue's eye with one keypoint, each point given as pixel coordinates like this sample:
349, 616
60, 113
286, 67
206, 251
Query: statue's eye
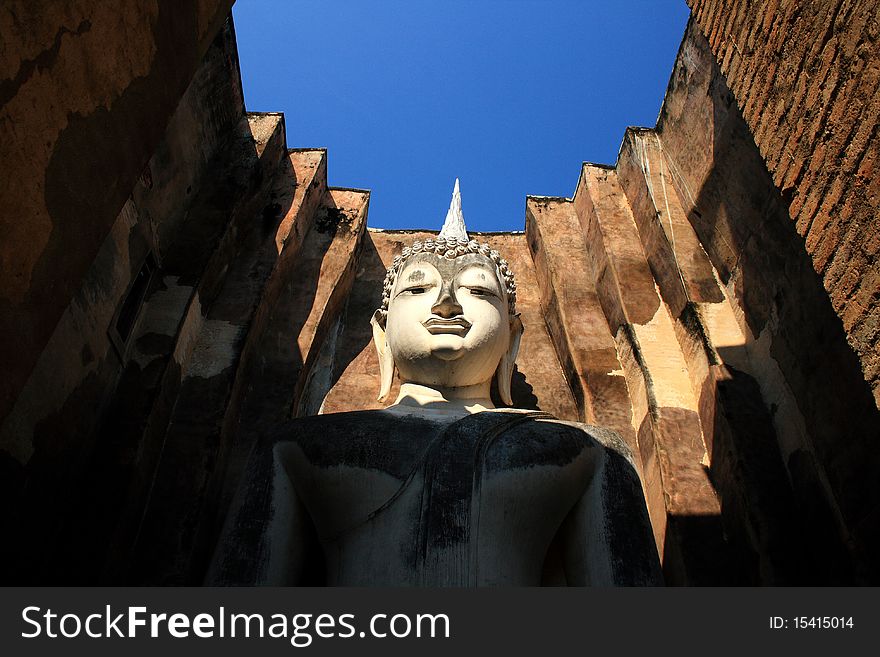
416, 290
480, 292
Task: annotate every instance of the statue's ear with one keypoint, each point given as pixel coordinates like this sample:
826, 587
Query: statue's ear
386, 361
504, 373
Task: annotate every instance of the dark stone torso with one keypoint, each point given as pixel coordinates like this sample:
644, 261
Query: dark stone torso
376, 498
410, 501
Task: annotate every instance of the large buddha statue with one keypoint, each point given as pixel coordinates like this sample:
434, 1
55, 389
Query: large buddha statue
441, 488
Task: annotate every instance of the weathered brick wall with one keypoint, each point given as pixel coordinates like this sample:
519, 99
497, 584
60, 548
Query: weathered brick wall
86, 92
84, 432
805, 76
811, 460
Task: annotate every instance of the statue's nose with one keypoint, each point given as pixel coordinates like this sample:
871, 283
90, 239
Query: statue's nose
446, 305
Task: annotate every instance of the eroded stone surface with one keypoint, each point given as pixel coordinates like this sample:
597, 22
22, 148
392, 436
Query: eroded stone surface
101, 77
806, 79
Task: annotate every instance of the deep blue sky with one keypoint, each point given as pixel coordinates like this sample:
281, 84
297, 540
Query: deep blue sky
508, 95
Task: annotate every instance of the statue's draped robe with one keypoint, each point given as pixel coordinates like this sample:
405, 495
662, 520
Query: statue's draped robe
494, 498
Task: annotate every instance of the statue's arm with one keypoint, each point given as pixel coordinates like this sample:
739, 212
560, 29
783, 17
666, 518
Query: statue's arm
290, 538
267, 537
607, 536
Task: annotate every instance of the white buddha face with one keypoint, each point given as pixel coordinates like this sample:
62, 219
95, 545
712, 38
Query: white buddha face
448, 323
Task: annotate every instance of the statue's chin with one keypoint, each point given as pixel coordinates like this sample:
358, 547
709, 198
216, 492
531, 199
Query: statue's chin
447, 347
447, 354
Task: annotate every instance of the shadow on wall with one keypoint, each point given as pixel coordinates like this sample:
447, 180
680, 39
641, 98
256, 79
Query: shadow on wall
763, 536
76, 523
521, 392
281, 344
797, 474
160, 436
171, 538
355, 332
760, 517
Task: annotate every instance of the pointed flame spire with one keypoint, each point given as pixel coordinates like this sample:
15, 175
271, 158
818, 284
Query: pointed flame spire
454, 225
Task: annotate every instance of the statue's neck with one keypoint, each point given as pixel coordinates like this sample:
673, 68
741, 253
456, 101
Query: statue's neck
470, 399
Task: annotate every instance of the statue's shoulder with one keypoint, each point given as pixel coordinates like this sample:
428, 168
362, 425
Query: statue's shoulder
300, 428
371, 439
360, 424
607, 439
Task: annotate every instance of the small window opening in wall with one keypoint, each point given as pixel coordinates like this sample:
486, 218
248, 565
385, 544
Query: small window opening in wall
126, 317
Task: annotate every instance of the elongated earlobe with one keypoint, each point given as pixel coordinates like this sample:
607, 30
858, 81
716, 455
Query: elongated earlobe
504, 373
386, 360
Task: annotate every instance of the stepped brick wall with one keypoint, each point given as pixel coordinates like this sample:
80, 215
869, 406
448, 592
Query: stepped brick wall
805, 77
85, 422
63, 133
811, 379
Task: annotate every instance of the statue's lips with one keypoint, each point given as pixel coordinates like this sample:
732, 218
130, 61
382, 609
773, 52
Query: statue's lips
439, 326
